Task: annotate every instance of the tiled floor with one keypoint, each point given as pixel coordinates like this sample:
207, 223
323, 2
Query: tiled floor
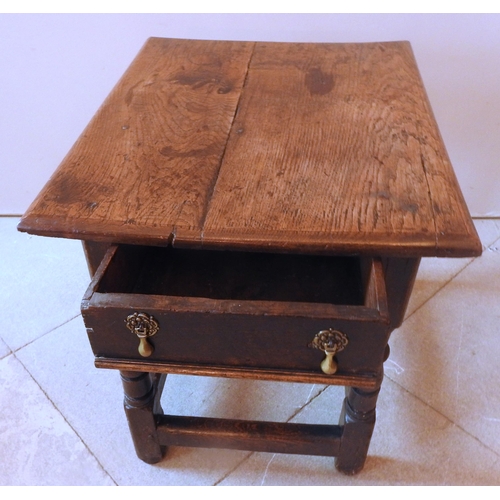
61, 420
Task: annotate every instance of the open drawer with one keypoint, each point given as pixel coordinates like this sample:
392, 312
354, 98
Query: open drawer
238, 309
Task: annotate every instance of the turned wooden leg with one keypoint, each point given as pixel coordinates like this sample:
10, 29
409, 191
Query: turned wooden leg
358, 421
142, 408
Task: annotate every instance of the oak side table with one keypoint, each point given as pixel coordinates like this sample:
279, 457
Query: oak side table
256, 210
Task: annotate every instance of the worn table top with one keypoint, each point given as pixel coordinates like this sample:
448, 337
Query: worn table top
278, 146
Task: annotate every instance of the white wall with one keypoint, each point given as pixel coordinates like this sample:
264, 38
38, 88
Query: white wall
55, 70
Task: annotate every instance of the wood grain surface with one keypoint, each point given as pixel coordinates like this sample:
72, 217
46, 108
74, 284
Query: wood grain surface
148, 160
321, 148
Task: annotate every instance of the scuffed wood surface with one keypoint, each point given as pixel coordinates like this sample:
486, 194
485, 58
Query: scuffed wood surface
147, 162
363, 381
351, 160
284, 147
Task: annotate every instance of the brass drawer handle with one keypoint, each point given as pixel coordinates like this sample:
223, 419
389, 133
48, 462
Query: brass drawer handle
144, 326
331, 342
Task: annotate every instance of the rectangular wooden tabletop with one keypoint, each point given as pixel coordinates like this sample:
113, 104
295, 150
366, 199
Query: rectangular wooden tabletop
323, 148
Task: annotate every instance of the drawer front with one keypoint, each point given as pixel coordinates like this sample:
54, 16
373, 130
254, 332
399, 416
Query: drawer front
210, 338
256, 334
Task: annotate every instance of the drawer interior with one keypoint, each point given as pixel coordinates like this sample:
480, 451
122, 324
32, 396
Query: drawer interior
230, 275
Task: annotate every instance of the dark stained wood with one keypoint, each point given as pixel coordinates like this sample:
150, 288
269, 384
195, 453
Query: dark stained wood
362, 380
400, 275
288, 188
94, 253
357, 420
268, 333
249, 276
271, 437
238, 340
141, 405
317, 148
158, 381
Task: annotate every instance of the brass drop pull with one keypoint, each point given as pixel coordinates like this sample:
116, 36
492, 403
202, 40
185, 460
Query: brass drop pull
144, 326
331, 342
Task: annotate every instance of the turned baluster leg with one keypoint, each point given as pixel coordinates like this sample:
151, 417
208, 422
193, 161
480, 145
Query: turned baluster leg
358, 421
142, 405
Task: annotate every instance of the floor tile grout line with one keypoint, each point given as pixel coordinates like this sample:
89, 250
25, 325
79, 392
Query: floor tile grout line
65, 419
438, 290
442, 414
7, 355
308, 402
44, 334
236, 467
294, 414
9, 350
299, 410
486, 247
491, 244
